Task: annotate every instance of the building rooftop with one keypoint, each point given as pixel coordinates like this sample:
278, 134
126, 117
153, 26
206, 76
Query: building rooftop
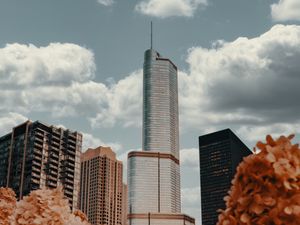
99, 151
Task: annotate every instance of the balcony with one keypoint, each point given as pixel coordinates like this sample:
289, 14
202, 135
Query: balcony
70, 176
53, 173
54, 149
71, 159
35, 181
55, 144
71, 151
69, 187
34, 169
37, 158
68, 193
36, 176
69, 181
67, 169
38, 145
39, 134
36, 163
51, 166
53, 161
51, 184
52, 178
38, 151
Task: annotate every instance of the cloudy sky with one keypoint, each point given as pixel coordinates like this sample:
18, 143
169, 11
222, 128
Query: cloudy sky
78, 64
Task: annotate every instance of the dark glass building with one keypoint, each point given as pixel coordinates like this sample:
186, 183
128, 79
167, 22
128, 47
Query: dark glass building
35, 155
220, 154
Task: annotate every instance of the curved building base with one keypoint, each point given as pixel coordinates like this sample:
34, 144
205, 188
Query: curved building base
160, 219
154, 183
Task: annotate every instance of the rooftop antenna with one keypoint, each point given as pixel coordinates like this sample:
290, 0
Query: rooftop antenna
151, 35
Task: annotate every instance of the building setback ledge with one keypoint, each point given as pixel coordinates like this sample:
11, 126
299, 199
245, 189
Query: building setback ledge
153, 155
164, 59
162, 216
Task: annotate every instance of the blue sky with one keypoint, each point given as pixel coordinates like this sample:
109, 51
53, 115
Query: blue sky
78, 64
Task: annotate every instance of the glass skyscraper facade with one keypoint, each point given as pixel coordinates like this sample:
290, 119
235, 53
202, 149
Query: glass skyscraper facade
154, 173
160, 105
220, 154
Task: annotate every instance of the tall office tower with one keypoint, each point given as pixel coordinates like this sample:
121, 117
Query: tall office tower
101, 187
154, 173
220, 154
160, 105
36, 155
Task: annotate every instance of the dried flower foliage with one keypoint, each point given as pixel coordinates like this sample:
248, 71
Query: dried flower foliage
266, 187
81, 215
44, 207
7, 205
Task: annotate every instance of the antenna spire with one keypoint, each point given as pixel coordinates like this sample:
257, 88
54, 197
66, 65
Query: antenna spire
151, 35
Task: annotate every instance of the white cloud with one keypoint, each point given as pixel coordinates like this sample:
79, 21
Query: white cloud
106, 2
190, 178
124, 103
55, 64
286, 10
10, 120
90, 141
190, 196
58, 80
55, 78
247, 82
169, 8
256, 133
191, 203
190, 158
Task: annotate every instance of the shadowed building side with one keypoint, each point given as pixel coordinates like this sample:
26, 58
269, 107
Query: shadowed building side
36, 155
220, 154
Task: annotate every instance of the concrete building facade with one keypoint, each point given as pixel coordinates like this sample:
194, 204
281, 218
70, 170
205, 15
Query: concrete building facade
36, 155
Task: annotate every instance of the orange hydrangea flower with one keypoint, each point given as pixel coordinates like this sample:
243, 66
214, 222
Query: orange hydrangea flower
7, 205
44, 207
81, 215
266, 187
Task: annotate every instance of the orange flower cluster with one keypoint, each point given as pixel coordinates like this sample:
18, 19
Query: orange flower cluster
7, 205
80, 215
266, 187
44, 207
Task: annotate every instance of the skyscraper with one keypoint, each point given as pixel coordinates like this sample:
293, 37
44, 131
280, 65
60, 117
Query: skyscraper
160, 105
36, 155
154, 173
101, 187
220, 154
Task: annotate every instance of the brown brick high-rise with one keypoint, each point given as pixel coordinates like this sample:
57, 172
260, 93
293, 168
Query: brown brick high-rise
101, 187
